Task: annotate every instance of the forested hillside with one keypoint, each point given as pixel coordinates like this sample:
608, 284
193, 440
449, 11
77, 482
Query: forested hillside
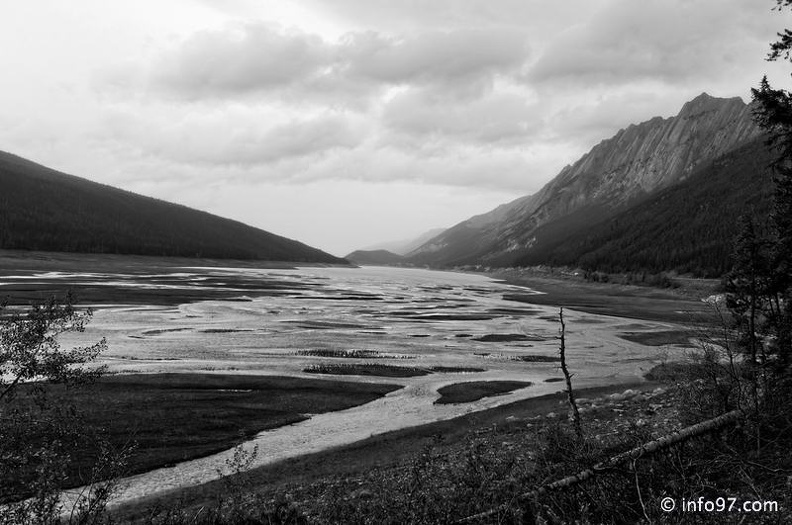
687, 227
374, 257
637, 163
43, 209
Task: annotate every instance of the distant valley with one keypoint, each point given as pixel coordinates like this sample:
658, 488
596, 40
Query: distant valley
405, 246
662, 195
375, 257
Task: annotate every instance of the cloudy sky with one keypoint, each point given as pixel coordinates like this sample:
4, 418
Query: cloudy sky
344, 123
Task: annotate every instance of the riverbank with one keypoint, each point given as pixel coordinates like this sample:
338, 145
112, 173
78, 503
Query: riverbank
309, 479
684, 304
596, 341
159, 420
102, 280
297, 322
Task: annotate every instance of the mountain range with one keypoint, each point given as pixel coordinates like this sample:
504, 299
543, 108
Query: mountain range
43, 209
661, 195
405, 246
393, 252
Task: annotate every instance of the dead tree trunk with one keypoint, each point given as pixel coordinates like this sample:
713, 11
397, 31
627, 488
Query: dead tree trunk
570, 393
646, 449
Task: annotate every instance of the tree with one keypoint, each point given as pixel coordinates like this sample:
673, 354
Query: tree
38, 431
746, 287
773, 113
29, 348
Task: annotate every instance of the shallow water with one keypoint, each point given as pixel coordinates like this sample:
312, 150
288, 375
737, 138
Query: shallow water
409, 317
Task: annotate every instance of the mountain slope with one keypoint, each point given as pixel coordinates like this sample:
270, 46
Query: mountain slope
687, 227
405, 246
615, 174
43, 209
375, 257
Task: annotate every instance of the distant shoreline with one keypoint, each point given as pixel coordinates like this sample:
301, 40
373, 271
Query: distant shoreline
681, 306
618, 300
35, 260
18, 266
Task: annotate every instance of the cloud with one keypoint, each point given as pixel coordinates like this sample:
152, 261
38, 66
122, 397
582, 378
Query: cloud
445, 56
421, 115
295, 66
252, 57
534, 16
238, 136
465, 92
470, 166
671, 41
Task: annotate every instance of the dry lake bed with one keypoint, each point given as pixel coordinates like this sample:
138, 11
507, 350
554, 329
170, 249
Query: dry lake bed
418, 333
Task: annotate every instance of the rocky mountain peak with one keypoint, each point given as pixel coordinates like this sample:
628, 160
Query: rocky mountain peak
637, 161
706, 103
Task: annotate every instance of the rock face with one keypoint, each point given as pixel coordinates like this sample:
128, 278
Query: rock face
618, 172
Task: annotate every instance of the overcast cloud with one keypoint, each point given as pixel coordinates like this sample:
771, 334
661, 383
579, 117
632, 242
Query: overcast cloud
384, 117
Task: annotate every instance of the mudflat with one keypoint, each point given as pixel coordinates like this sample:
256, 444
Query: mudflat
384, 451
164, 419
465, 333
683, 305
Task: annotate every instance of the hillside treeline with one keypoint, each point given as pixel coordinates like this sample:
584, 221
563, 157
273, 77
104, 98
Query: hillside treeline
42, 209
687, 228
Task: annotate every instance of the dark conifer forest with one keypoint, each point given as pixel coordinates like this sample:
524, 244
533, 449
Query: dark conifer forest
43, 209
687, 228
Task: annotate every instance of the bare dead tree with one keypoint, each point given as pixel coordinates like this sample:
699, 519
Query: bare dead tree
642, 451
568, 377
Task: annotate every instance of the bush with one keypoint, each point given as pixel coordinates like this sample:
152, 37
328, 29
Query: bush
38, 431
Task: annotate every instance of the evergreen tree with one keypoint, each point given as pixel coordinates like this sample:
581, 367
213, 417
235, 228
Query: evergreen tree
747, 285
774, 114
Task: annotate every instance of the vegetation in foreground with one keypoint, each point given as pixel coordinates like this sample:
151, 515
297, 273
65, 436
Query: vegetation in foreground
475, 390
367, 369
164, 419
659, 338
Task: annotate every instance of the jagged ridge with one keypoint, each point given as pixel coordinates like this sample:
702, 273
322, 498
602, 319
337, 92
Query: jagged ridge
687, 227
615, 174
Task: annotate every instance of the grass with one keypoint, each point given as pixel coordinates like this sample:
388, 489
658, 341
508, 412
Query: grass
537, 358
475, 390
456, 369
366, 369
506, 338
633, 302
661, 338
680, 371
134, 269
348, 354
445, 471
177, 417
379, 370
363, 458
